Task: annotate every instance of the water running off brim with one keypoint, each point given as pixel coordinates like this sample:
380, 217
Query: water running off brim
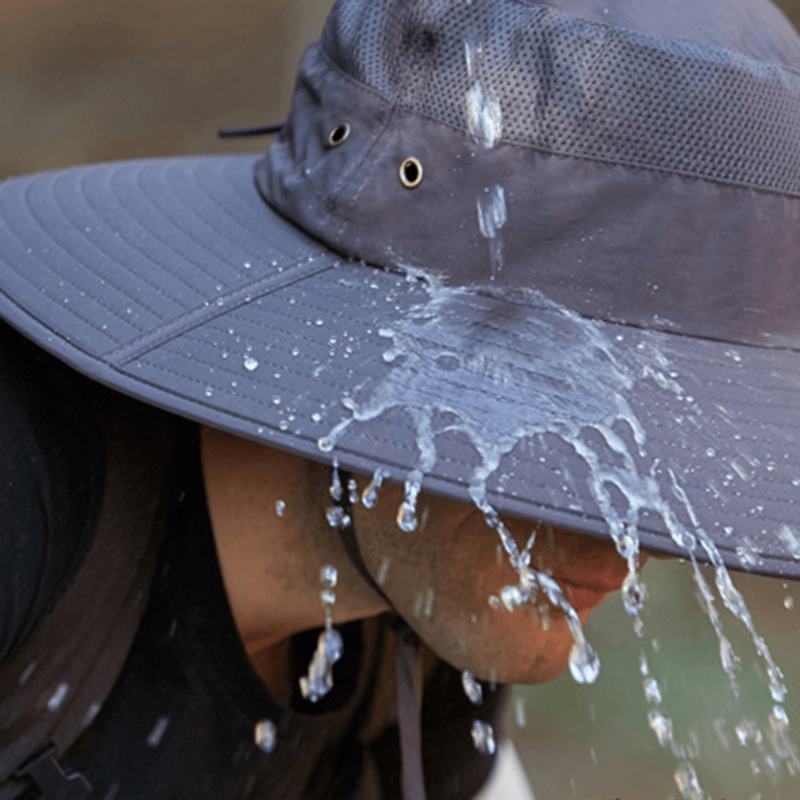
559, 375
330, 647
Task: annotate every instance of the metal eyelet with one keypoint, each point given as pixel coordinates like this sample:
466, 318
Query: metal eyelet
339, 135
411, 173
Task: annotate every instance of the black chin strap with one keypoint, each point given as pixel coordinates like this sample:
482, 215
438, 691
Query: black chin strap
408, 667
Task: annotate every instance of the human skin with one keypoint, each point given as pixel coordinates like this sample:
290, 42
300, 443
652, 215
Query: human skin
438, 578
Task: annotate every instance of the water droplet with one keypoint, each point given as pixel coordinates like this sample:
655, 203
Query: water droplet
512, 597
26, 673
661, 727
157, 733
472, 688
633, 594
58, 697
265, 735
687, 781
329, 576
335, 490
652, 692
788, 602
747, 732
370, 496
337, 518
327, 597
209, 391
280, 507
519, 713
483, 737
352, 491
584, 664
250, 363
383, 571
779, 719
407, 513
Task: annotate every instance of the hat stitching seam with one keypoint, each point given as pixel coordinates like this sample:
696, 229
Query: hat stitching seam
366, 173
350, 171
206, 223
72, 258
137, 169
135, 251
209, 311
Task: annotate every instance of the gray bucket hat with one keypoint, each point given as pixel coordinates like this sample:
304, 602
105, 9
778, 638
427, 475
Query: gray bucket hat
542, 256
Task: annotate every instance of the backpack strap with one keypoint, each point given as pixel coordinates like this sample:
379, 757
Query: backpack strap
408, 668
54, 683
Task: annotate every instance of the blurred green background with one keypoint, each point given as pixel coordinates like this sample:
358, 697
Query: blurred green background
89, 80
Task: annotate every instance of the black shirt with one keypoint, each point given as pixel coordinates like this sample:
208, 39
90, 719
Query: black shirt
180, 721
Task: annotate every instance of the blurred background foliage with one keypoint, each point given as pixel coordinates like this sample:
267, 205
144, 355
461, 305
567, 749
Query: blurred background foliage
90, 80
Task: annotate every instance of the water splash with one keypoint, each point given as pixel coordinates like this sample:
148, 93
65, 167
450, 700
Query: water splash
561, 376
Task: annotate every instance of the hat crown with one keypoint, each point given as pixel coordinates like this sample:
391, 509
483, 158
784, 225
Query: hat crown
570, 84
631, 177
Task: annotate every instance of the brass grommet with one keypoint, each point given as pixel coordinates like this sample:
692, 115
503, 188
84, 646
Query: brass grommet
339, 135
411, 173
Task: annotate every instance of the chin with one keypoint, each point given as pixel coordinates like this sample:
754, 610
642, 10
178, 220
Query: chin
508, 648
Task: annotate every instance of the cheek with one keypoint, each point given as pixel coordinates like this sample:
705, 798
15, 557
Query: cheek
440, 580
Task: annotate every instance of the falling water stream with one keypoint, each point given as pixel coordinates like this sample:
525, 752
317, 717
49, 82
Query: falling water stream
591, 374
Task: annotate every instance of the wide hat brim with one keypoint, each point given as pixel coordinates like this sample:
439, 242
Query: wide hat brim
171, 280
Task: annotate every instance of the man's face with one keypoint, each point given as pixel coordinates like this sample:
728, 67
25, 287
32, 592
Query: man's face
440, 579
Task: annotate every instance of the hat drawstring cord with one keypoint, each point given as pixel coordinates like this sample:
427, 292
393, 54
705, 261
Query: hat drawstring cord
240, 133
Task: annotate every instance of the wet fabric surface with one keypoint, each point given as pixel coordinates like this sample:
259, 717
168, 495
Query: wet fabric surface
180, 721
